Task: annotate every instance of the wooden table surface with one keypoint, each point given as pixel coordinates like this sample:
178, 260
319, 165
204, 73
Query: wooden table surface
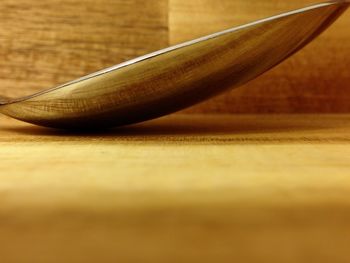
245, 188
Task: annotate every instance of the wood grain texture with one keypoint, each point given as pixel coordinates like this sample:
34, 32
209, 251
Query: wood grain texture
46, 43
315, 80
179, 189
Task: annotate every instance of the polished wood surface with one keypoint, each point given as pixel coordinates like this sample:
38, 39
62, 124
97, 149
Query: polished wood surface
255, 188
47, 43
177, 78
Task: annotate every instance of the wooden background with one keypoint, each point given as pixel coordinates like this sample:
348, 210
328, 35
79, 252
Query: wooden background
45, 43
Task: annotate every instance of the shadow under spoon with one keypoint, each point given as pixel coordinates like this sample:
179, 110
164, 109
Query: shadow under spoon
172, 79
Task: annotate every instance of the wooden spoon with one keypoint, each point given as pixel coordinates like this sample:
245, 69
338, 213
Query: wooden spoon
172, 79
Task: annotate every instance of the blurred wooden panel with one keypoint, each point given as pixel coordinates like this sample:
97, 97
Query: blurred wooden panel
44, 43
315, 80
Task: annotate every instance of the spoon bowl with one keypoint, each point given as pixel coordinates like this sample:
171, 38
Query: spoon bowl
175, 78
